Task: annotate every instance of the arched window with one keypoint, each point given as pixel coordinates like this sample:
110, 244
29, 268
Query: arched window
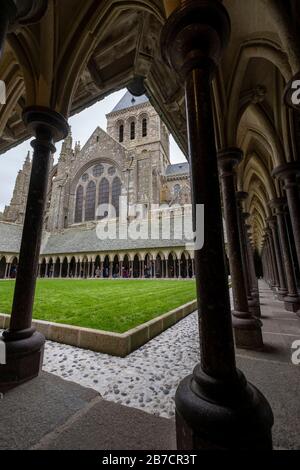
121, 133
79, 205
90, 201
177, 189
103, 193
144, 127
132, 130
116, 193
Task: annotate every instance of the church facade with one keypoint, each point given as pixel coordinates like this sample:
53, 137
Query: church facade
116, 176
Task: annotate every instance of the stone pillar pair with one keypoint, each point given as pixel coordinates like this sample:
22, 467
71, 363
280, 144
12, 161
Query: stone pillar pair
24, 345
288, 291
216, 408
247, 328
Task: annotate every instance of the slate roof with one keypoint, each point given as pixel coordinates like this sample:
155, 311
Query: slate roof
178, 169
128, 101
76, 240
10, 237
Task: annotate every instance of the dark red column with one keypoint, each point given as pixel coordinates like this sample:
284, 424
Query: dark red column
288, 174
247, 329
24, 345
216, 408
291, 300
282, 289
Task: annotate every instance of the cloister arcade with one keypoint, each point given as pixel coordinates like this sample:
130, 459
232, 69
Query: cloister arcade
174, 264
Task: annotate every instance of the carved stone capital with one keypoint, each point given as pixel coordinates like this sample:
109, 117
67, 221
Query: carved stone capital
195, 36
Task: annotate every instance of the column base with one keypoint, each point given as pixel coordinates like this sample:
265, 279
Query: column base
219, 415
281, 294
292, 303
254, 308
24, 360
247, 332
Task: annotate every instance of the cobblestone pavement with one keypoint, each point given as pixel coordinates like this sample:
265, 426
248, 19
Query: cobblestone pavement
146, 379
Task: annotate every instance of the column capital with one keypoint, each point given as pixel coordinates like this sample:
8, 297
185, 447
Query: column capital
278, 203
195, 36
286, 171
229, 158
39, 119
241, 196
272, 222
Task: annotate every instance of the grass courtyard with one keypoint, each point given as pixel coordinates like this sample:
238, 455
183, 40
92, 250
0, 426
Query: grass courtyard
110, 305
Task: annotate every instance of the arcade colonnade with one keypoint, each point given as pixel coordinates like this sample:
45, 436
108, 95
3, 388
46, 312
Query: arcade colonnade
143, 265
228, 66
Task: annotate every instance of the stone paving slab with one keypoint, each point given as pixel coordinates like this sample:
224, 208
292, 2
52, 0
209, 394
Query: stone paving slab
109, 426
36, 408
280, 383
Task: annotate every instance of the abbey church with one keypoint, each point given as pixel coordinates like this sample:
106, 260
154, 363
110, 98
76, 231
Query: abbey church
131, 159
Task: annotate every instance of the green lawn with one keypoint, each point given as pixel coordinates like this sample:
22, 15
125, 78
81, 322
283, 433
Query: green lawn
110, 305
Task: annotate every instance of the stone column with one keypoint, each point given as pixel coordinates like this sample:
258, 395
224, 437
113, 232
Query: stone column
6, 270
68, 270
24, 345
282, 290
292, 300
269, 258
275, 277
216, 408
253, 302
288, 174
47, 270
255, 288
247, 329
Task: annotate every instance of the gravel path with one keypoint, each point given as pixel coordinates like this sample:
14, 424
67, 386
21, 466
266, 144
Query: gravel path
146, 379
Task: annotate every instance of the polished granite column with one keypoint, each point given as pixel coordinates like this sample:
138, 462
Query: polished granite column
247, 328
288, 174
24, 345
291, 300
216, 408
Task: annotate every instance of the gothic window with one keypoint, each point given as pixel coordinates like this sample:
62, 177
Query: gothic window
103, 193
176, 189
98, 170
132, 130
121, 133
111, 171
90, 201
85, 177
79, 204
144, 127
116, 193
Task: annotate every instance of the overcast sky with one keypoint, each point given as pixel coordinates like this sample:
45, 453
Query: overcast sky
83, 125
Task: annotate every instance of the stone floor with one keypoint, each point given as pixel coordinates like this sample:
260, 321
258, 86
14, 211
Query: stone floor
146, 381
